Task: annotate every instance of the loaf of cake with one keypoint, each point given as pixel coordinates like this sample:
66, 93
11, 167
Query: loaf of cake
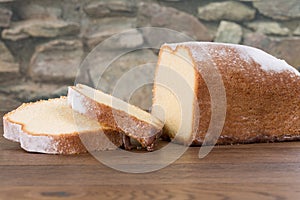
52, 127
88, 120
139, 125
262, 93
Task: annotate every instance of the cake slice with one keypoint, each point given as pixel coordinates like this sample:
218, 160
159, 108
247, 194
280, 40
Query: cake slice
262, 94
53, 127
136, 123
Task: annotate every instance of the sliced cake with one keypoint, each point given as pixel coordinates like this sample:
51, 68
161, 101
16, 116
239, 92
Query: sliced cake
136, 123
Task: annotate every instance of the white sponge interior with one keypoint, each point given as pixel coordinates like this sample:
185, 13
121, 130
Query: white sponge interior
174, 92
53, 117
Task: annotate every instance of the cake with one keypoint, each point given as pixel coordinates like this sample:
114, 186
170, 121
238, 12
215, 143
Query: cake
260, 94
134, 122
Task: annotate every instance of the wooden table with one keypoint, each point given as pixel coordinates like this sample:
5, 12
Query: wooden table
254, 171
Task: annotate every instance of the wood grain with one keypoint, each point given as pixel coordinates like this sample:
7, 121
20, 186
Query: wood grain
145, 191
253, 171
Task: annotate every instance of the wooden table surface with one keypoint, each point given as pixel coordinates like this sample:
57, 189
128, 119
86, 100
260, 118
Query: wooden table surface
254, 171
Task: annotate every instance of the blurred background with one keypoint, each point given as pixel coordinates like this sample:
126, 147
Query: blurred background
43, 42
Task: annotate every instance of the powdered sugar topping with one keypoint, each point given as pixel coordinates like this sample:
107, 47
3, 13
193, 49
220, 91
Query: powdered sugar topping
31, 143
267, 62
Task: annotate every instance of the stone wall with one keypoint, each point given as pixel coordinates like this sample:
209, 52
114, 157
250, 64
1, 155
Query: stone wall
44, 41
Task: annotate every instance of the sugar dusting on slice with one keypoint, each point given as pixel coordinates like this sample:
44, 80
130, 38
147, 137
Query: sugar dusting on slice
76, 100
38, 143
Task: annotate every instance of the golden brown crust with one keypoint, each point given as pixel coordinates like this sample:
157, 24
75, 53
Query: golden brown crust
146, 134
262, 105
81, 143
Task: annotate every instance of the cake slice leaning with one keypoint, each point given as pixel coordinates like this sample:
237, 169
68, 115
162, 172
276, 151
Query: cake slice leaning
137, 124
53, 127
